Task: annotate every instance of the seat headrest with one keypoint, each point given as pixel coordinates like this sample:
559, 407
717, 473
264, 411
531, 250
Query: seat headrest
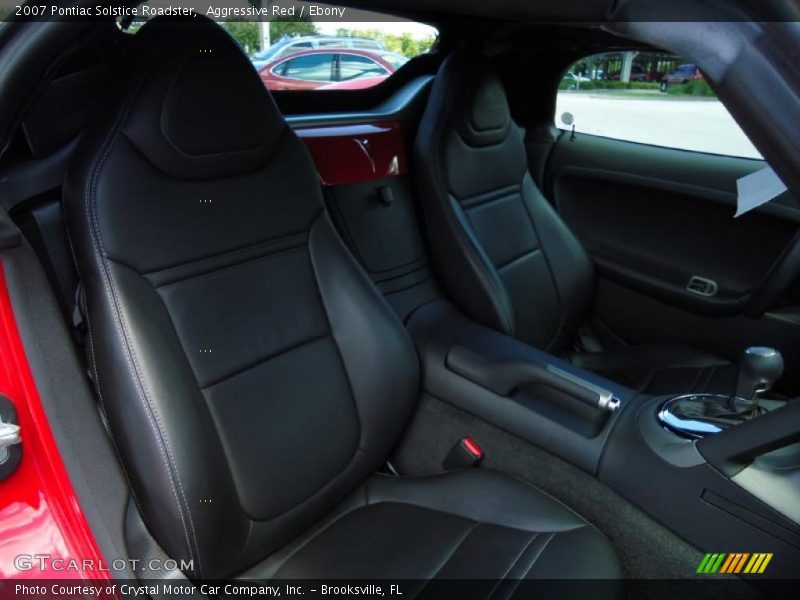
479, 109
196, 108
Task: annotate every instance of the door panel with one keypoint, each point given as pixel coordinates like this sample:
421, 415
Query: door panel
653, 218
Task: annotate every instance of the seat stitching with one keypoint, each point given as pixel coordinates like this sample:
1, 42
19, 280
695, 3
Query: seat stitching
450, 555
260, 361
230, 267
313, 537
112, 437
164, 118
278, 142
492, 192
490, 197
535, 560
404, 288
518, 258
98, 249
135, 370
414, 271
294, 238
472, 146
513, 564
406, 268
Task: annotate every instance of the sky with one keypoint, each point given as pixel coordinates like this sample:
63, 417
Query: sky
417, 30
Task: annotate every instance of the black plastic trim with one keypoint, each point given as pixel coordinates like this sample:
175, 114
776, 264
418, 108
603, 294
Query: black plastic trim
395, 108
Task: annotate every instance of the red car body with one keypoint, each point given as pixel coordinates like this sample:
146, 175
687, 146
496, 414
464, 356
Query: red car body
328, 68
39, 510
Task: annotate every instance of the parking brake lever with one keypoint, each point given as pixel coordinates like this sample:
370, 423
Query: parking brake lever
505, 376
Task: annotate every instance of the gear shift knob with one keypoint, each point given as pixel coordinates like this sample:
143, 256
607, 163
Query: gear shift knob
759, 368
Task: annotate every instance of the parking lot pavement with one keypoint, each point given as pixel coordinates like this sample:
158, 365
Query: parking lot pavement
702, 125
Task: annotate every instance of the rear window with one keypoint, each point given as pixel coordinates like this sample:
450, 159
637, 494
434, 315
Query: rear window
330, 54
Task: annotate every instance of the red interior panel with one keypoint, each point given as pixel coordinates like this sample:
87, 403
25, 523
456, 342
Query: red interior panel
353, 153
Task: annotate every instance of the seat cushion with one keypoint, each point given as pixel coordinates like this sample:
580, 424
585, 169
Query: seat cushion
469, 524
662, 369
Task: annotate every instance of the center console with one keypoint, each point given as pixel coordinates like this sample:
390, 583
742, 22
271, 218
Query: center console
722, 471
534, 395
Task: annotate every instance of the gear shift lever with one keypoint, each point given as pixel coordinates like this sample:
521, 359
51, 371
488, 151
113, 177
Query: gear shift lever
697, 415
759, 368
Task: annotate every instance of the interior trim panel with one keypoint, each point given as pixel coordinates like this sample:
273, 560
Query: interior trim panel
358, 152
408, 98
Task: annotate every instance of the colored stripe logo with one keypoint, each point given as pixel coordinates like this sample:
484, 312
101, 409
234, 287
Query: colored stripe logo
734, 562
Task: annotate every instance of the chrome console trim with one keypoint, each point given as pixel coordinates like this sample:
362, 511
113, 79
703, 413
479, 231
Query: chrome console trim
691, 428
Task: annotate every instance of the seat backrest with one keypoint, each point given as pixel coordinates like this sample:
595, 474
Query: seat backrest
251, 374
502, 252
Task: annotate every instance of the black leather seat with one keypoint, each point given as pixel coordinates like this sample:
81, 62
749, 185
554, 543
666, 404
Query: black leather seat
253, 378
503, 253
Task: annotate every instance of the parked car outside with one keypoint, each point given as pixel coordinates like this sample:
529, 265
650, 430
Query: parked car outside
290, 45
637, 74
574, 80
330, 69
683, 74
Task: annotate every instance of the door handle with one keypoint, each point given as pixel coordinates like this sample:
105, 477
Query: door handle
702, 286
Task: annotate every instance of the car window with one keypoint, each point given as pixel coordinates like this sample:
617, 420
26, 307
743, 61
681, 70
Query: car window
383, 46
652, 98
352, 66
309, 67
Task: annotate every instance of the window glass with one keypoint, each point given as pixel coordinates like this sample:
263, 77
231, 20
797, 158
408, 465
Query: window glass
352, 66
309, 67
651, 98
388, 44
